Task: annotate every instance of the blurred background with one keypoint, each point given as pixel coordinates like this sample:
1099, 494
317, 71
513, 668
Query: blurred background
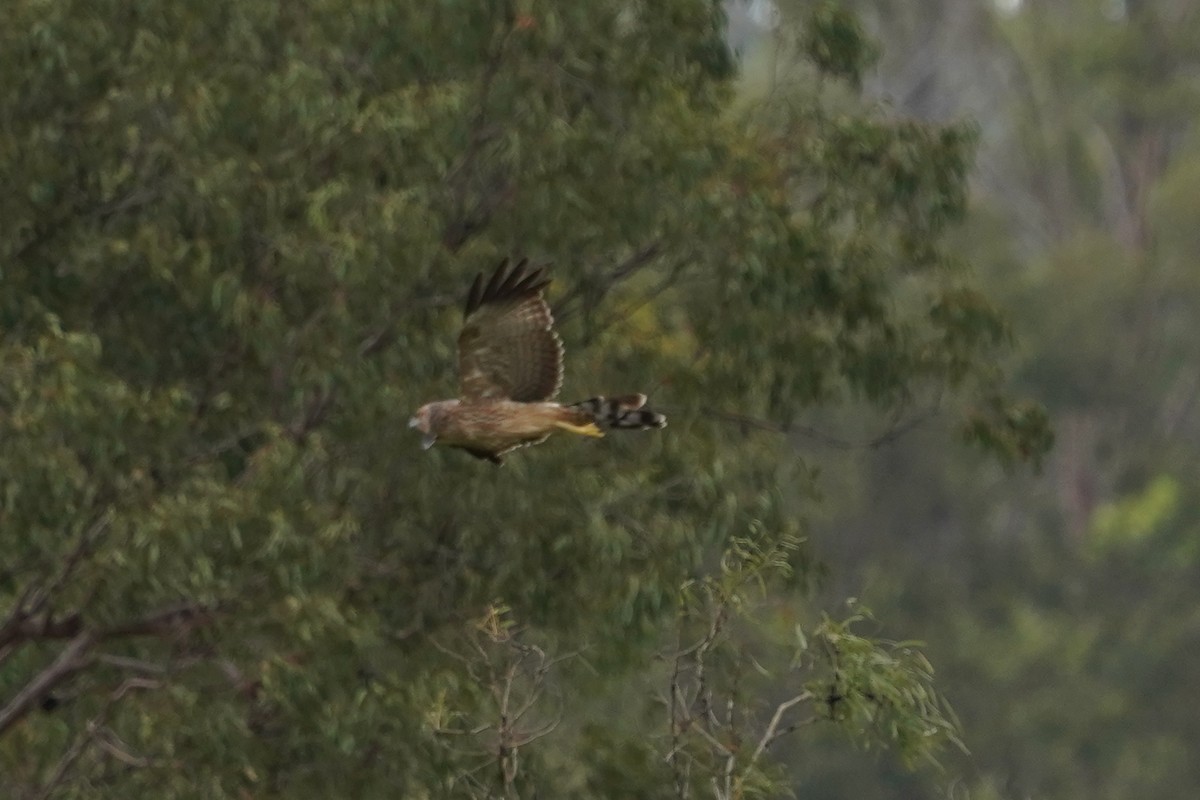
858, 252
1062, 610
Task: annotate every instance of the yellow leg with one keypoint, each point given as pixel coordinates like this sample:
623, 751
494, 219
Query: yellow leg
589, 429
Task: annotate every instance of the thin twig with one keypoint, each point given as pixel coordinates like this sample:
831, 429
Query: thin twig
567, 305
891, 434
131, 664
769, 735
468, 222
97, 732
681, 783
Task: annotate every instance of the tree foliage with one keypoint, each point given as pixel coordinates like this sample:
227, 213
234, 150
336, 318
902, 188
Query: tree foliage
1058, 608
233, 244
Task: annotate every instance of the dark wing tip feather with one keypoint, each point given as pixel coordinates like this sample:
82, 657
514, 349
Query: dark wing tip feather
496, 283
533, 283
474, 296
504, 284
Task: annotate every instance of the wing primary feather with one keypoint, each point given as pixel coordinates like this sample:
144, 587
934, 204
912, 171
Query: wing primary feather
512, 285
493, 285
534, 282
504, 284
529, 283
504, 290
475, 296
508, 346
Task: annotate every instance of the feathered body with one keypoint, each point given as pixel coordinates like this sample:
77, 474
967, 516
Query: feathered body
510, 370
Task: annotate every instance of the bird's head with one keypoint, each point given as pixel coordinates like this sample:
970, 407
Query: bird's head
423, 422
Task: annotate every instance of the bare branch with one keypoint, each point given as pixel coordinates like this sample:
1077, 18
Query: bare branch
131, 664
35, 598
72, 659
545, 730
514, 675
595, 290
770, 735
77, 655
174, 620
316, 410
795, 726
467, 221
382, 336
676, 706
712, 740
74, 752
110, 743
97, 733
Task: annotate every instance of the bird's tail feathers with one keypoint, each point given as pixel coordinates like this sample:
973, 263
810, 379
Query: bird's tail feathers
618, 413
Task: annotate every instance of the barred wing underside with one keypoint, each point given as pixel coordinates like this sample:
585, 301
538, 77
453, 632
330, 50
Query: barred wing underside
508, 347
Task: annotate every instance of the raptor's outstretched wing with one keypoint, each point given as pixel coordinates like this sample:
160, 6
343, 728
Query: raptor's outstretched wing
508, 347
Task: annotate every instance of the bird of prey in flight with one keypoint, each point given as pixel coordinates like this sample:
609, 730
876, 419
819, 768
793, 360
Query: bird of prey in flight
510, 370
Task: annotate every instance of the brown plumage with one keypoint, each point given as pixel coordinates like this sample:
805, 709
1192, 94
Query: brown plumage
510, 370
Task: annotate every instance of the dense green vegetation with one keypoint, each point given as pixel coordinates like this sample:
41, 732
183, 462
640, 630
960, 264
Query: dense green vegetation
1061, 609
233, 246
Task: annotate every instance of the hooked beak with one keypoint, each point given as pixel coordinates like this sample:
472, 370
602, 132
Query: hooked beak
427, 441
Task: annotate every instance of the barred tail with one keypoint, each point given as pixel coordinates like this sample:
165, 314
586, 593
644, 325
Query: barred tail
618, 413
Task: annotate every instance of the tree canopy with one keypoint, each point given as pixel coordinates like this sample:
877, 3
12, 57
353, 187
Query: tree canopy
234, 244
1058, 607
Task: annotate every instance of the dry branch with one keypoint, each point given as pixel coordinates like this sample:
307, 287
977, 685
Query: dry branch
78, 654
